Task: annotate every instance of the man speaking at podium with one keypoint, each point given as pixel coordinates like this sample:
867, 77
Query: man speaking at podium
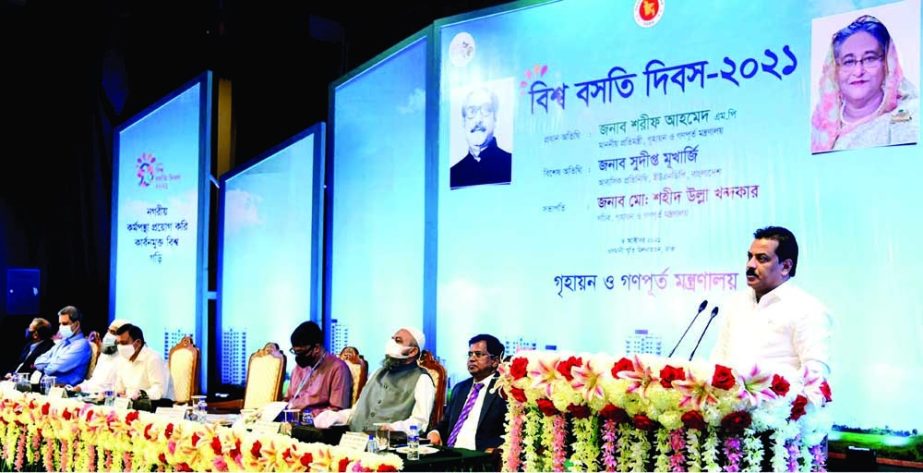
774, 323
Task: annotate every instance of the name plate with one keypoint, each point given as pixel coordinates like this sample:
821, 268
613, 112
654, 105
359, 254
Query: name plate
7, 386
56, 392
177, 413
355, 441
121, 403
263, 427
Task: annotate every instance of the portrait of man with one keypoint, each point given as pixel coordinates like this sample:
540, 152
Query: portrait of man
866, 69
485, 162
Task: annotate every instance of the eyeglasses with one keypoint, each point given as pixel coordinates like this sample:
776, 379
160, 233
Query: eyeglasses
300, 350
868, 63
485, 110
478, 354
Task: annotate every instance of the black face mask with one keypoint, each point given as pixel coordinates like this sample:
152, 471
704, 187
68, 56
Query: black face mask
28, 334
304, 361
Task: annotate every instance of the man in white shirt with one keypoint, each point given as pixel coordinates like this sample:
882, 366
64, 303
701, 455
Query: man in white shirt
105, 371
398, 395
140, 368
475, 416
774, 323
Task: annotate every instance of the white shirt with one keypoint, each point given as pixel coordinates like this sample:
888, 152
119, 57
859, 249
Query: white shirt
787, 329
424, 394
469, 428
148, 373
103, 375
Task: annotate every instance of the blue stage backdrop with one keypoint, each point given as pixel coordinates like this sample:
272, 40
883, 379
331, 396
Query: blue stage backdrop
376, 256
159, 215
646, 145
269, 243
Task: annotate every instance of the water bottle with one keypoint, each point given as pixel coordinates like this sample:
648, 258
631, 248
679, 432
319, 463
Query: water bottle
372, 445
413, 443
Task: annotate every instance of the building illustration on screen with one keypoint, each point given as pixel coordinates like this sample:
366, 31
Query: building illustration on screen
642, 342
234, 357
170, 339
511, 347
339, 336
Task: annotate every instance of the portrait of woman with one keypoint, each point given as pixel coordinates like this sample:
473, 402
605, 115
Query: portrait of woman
864, 99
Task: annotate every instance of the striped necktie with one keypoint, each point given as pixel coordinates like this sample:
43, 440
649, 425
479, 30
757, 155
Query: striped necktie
469, 404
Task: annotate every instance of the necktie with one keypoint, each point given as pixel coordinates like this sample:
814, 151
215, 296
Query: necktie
472, 397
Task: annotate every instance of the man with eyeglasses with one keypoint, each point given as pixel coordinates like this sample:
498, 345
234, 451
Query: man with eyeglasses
396, 396
320, 381
474, 415
485, 162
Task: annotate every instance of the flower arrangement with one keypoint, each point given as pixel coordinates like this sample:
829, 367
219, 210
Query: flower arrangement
651, 413
40, 433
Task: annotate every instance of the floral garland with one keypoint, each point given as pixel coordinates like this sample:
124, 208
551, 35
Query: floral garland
650, 412
68, 435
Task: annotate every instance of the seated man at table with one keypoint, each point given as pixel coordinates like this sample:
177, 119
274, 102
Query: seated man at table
69, 359
398, 395
140, 371
104, 374
320, 381
38, 342
475, 415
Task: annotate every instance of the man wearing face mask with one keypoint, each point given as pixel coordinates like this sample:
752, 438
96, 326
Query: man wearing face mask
38, 342
320, 381
140, 369
69, 359
398, 395
105, 371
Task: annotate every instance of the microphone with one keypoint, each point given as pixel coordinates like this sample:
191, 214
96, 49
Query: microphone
701, 308
714, 313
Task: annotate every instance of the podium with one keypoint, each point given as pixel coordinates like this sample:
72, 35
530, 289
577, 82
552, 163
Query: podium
597, 412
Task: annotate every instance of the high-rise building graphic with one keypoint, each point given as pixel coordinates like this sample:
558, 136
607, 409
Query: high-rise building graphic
234, 357
339, 336
642, 342
170, 339
512, 347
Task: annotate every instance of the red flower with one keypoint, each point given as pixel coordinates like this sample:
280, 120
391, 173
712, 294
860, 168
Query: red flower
779, 385
519, 368
798, 407
547, 407
622, 365
564, 366
131, 417
615, 413
183, 467
66, 414
89, 415
162, 458
168, 431
723, 378
147, 432
216, 445
736, 422
825, 390
669, 374
579, 412
343, 464
45, 408
306, 460
195, 439
518, 394
235, 452
643, 422
693, 420
386, 468
255, 449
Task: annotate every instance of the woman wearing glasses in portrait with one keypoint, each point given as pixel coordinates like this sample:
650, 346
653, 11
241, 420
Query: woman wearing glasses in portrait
864, 98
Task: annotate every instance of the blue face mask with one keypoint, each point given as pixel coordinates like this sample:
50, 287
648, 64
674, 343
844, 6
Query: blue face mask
28, 334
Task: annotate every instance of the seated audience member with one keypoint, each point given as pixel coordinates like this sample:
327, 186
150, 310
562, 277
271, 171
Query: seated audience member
474, 418
69, 359
38, 341
399, 394
104, 374
141, 371
320, 381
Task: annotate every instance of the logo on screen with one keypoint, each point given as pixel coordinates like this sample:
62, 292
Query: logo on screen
461, 49
648, 12
145, 169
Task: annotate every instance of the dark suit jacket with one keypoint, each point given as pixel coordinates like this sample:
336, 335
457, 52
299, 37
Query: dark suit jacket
28, 359
490, 421
495, 167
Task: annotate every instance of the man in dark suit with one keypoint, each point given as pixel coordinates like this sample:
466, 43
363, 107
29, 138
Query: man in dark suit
38, 341
474, 416
485, 162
